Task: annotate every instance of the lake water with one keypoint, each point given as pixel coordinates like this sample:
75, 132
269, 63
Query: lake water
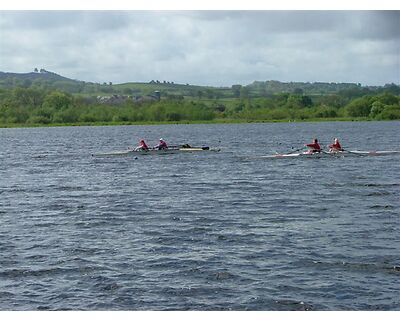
208, 231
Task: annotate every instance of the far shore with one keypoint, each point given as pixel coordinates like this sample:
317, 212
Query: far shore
215, 121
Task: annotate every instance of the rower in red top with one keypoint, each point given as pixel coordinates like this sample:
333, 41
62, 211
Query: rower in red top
142, 146
161, 145
314, 147
335, 146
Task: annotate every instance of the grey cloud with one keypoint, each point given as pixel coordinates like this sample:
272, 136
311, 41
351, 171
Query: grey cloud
204, 47
361, 24
40, 20
49, 20
377, 25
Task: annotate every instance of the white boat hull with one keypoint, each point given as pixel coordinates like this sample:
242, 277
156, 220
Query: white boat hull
155, 151
353, 153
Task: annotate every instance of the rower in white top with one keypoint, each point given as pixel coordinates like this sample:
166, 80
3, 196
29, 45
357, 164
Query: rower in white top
335, 146
161, 145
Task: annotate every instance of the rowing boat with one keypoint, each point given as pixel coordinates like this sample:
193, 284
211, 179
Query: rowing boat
172, 150
326, 154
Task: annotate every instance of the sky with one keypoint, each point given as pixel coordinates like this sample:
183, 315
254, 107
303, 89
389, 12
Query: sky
217, 48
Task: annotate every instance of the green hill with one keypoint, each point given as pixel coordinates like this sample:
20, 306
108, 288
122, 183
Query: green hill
46, 98
48, 80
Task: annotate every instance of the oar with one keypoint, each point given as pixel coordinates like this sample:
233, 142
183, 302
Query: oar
175, 146
358, 154
297, 150
136, 149
182, 145
333, 154
187, 146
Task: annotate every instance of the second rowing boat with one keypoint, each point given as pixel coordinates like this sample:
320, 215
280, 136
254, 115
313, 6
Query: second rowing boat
326, 154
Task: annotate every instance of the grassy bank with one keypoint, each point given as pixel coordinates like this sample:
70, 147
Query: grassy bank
28, 107
215, 121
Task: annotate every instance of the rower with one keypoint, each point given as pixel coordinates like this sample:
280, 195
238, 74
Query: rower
335, 146
142, 146
161, 145
314, 147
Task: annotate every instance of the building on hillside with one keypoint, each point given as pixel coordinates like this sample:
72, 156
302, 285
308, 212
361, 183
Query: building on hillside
120, 99
114, 99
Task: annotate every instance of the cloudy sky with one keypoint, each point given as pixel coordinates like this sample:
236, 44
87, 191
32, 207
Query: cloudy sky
218, 48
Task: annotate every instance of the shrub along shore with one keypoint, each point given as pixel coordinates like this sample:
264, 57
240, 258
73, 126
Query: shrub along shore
149, 123
31, 107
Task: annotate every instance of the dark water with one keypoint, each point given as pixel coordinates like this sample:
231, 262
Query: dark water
209, 231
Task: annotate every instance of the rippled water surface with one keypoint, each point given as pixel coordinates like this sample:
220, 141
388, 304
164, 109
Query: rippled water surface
208, 231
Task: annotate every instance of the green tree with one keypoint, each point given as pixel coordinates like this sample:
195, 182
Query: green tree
69, 115
57, 100
306, 101
392, 88
360, 107
244, 93
377, 108
387, 98
294, 101
298, 91
127, 91
27, 97
391, 112
325, 112
236, 90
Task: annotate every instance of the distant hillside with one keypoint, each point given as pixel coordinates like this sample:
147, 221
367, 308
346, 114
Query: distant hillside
41, 79
272, 87
32, 76
46, 98
48, 80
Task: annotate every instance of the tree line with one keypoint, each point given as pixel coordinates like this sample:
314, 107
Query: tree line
31, 105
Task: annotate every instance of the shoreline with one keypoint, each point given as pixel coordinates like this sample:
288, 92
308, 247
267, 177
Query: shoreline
215, 121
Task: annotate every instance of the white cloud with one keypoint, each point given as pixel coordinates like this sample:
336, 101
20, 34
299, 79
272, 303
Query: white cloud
204, 47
